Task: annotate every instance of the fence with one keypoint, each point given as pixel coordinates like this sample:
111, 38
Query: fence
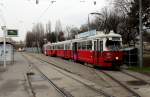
131, 56
33, 50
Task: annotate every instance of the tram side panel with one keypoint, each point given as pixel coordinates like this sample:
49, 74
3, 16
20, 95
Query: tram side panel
67, 54
60, 53
53, 53
67, 50
85, 56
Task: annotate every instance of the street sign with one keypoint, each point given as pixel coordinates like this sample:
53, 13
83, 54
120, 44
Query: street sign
12, 33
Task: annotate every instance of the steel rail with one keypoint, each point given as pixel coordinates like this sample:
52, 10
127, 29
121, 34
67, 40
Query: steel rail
30, 85
140, 79
124, 86
54, 85
92, 88
45, 77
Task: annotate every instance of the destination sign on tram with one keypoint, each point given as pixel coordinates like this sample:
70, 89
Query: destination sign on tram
87, 34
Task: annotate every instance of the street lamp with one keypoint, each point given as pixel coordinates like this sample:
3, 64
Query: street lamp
141, 35
89, 18
4, 30
96, 13
88, 23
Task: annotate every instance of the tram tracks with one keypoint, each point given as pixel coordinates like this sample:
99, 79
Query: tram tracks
134, 94
137, 80
131, 90
99, 91
59, 90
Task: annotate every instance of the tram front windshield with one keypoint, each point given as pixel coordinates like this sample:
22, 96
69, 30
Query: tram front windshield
113, 45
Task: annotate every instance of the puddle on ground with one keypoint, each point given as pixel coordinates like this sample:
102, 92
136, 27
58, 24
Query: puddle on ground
40, 87
136, 83
36, 78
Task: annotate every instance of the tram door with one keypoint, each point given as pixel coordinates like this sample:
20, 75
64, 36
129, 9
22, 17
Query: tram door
95, 52
98, 48
75, 51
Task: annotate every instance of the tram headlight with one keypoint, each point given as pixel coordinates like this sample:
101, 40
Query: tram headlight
116, 58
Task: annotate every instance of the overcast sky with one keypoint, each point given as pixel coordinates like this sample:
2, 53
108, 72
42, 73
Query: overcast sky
23, 14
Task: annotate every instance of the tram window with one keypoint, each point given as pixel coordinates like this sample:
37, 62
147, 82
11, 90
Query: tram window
79, 46
89, 45
83, 45
67, 46
113, 45
101, 46
58, 47
61, 47
55, 47
95, 46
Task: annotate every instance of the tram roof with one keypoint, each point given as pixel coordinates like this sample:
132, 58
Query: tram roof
99, 34
103, 35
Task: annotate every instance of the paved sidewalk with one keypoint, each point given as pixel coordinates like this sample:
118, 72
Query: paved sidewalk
12, 81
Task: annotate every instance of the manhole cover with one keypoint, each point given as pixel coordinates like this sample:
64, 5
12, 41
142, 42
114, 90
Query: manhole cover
136, 82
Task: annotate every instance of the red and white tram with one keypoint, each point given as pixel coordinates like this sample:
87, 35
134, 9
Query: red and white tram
100, 49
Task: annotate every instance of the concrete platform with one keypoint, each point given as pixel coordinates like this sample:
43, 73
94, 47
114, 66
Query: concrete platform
12, 80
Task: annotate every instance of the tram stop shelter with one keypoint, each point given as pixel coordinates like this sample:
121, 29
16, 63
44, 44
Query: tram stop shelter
9, 51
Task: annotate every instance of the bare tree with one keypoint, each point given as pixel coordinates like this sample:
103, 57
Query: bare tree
35, 38
83, 28
68, 32
48, 31
122, 6
58, 28
48, 27
73, 32
61, 36
107, 20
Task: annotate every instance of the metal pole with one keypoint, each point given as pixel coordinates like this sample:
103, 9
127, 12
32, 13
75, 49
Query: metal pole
4, 30
88, 23
141, 35
56, 36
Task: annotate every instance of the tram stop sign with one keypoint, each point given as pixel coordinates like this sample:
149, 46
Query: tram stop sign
12, 33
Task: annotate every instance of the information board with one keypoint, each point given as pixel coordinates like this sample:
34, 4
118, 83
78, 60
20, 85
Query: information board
12, 33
